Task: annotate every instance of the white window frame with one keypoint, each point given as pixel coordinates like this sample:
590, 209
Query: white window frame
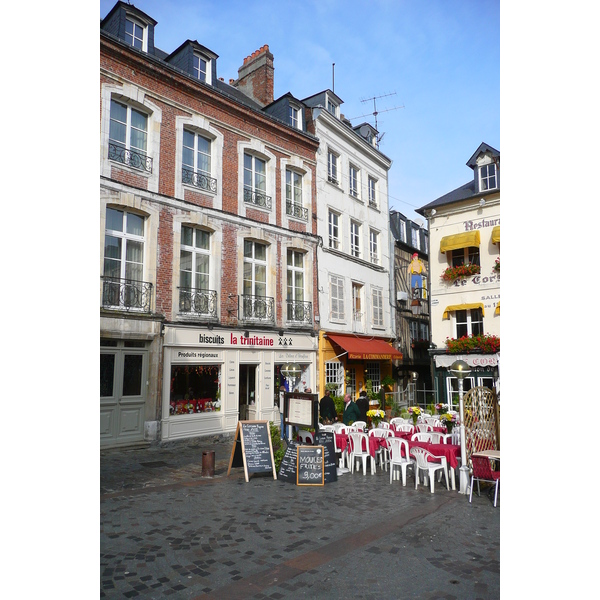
254, 264
464, 256
372, 186
197, 171
373, 372
377, 306
333, 167
144, 39
469, 325
196, 253
334, 373
355, 241
485, 176
198, 72
295, 117
357, 302
295, 293
415, 238
257, 149
129, 127
293, 190
332, 107
354, 181
334, 230
336, 295
374, 246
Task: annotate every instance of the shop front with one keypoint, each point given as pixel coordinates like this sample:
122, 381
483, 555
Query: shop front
214, 378
484, 372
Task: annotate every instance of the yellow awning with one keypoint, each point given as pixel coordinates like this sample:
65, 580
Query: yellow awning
496, 235
455, 307
460, 240
497, 311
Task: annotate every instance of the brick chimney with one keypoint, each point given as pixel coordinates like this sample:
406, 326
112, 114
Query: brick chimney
256, 75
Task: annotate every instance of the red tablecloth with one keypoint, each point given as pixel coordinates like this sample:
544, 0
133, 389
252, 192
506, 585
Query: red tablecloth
450, 451
341, 440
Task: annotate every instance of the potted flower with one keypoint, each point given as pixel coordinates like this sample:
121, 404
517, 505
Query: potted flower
414, 412
376, 416
496, 267
483, 344
449, 421
440, 408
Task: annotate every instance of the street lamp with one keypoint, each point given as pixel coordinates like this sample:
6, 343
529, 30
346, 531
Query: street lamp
460, 369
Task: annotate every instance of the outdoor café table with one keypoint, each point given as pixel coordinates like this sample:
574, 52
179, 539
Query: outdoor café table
450, 451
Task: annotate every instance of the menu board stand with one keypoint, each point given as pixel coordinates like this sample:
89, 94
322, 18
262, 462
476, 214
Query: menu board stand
252, 449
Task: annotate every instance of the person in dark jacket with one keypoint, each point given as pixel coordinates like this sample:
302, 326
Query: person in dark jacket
327, 409
363, 405
351, 412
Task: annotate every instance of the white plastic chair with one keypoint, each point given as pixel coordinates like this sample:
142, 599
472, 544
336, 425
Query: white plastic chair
420, 437
422, 457
382, 452
338, 425
431, 421
424, 427
406, 428
344, 460
395, 446
358, 452
448, 438
326, 428
398, 421
306, 437
437, 438
360, 425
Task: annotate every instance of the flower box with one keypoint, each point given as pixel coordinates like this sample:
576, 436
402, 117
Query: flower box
452, 273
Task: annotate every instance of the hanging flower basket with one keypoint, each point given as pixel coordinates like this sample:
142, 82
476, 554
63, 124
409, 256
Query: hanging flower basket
496, 267
452, 273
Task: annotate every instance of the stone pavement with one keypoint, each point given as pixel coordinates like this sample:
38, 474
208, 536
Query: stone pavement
168, 532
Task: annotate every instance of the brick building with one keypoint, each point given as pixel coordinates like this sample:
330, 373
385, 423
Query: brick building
208, 237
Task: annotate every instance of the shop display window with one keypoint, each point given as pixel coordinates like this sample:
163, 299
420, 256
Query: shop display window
195, 389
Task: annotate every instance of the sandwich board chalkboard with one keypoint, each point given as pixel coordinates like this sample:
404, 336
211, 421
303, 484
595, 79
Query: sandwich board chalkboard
252, 449
287, 468
325, 439
310, 465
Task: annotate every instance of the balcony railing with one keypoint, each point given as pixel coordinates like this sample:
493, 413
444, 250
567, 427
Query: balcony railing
258, 308
299, 312
132, 158
199, 302
199, 180
257, 198
296, 210
126, 294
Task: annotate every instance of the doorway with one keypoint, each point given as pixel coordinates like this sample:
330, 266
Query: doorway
247, 393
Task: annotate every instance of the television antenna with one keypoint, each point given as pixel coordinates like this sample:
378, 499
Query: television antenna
376, 112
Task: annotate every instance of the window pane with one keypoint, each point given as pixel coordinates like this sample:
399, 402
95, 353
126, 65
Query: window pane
107, 375
112, 247
132, 374
135, 251
114, 219
260, 252
188, 158
185, 263
135, 224
138, 140
260, 273
187, 235
247, 249
202, 239
138, 120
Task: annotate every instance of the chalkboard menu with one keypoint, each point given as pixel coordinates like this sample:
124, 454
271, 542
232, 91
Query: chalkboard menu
325, 439
252, 448
311, 466
287, 468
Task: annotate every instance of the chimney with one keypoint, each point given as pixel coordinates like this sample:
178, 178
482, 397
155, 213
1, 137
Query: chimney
256, 75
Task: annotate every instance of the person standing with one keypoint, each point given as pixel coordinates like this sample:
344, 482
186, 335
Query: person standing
363, 405
327, 409
351, 411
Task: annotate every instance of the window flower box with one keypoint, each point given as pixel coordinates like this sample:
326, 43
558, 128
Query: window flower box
483, 344
452, 273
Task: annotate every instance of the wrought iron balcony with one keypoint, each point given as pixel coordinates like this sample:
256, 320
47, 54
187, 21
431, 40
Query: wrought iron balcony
296, 210
200, 302
132, 158
258, 308
372, 203
299, 312
257, 198
126, 294
199, 180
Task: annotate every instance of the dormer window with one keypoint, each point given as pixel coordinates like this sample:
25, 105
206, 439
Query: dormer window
201, 68
487, 177
332, 107
294, 116
135, 34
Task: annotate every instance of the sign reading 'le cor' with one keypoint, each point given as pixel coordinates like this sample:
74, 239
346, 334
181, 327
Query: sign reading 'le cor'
310, 465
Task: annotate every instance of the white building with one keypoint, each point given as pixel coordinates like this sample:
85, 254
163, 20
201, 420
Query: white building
354, 258
464, 265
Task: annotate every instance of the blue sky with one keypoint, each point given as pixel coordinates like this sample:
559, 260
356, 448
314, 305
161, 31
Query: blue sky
439, 60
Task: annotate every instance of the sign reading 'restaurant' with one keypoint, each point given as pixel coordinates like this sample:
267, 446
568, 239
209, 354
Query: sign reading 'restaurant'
471, 225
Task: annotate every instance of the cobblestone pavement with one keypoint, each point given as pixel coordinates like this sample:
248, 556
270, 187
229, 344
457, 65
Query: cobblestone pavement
168, 532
